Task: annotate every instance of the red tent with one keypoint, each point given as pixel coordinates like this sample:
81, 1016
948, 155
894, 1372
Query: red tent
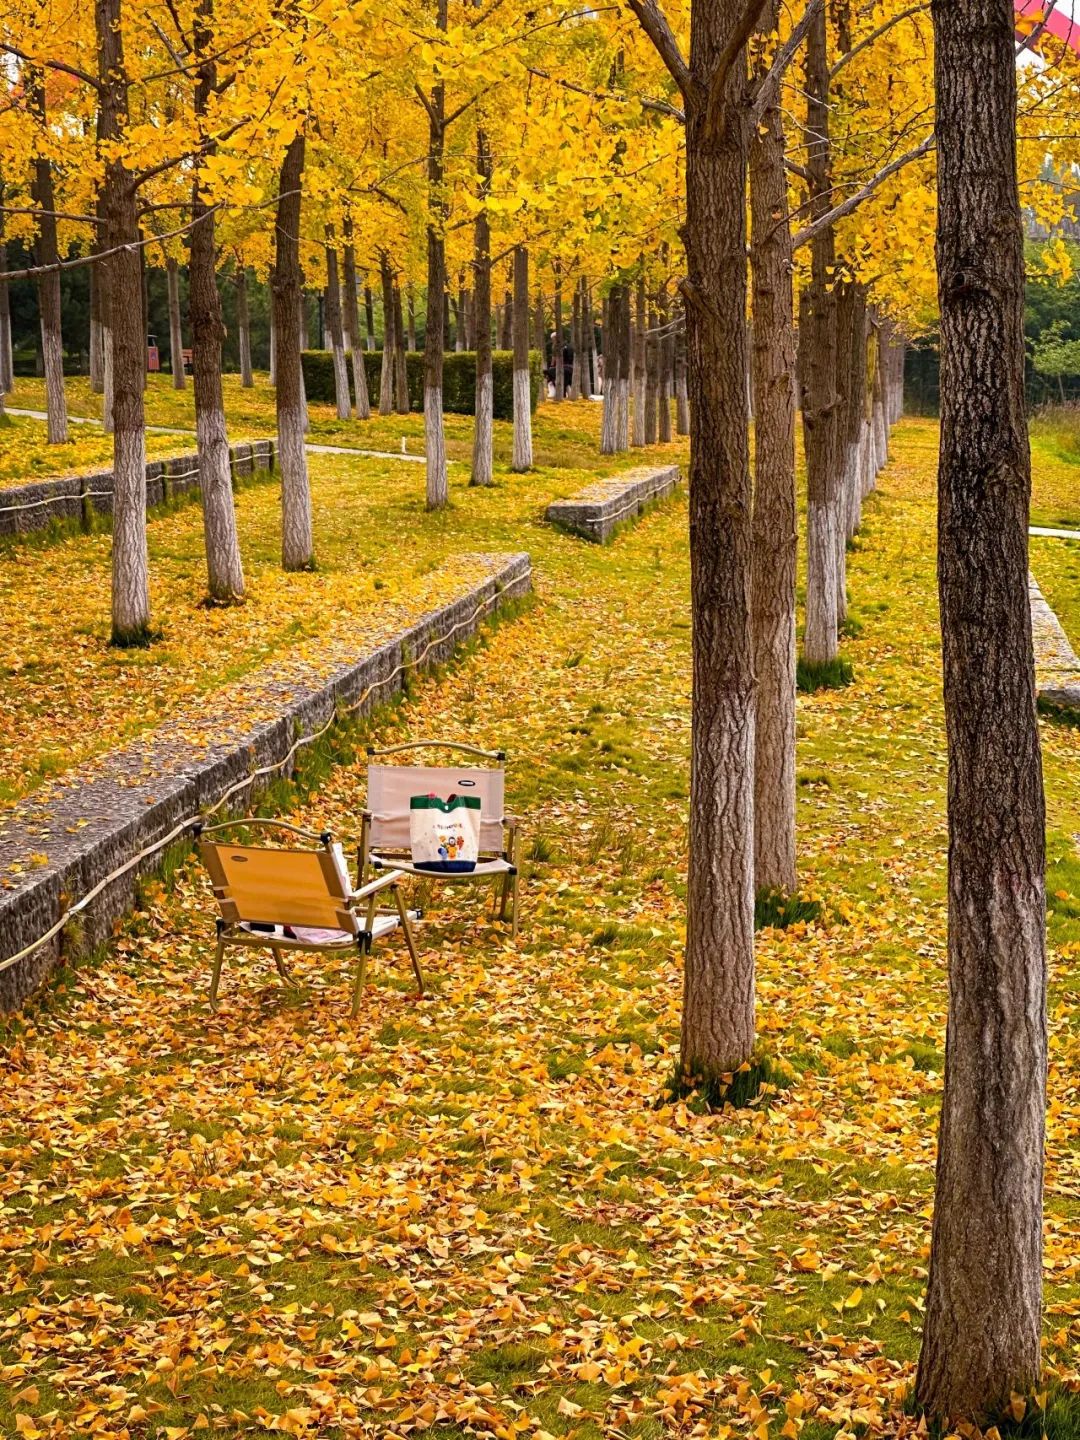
1049, 21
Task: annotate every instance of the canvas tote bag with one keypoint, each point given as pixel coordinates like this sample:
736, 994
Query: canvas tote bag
444, 834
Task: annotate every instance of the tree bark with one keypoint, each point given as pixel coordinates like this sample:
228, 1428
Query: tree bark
538, 343
557, 358
984, 1296
609, 406
845, 340
411, 299
297, 542
637, 432
682, 404
575, 341
652, 379
130, 564
369, 317
482, 433
584, 377
506, 313
386, 374
7, 357
351, 320
817, 366
48, 285
176, 333
336, 330
401, 368
775, 525
224, 570
243, 327
522, 458
667, 369
718, 997
626, 351
434, 434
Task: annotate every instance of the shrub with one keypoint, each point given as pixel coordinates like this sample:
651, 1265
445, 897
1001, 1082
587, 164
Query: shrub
459, 379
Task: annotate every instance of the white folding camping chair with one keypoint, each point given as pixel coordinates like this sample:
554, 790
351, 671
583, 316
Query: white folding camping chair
293, 899
384, 838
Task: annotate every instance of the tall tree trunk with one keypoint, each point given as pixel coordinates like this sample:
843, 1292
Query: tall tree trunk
652, 379
584, 386
297, 542
243, 327
401, 368
97, 345
482, 433
817, 364
845, 340
411, 298
667, 368
523, 450
637, 433
506, 337
855, 411
984, 1296
7, 357
351, 320
682, 404
775, 526
575, 341
434, 433
224, 571
538, 342
389, 345
48, 285
336, 330
626, 350
718, 998
176, 333
557, 358
130, 564
369, 317
609, 419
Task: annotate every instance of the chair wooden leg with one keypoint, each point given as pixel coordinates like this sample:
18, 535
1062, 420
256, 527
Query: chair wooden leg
282, 968
514, 909
406, 925
361, 975
215, 975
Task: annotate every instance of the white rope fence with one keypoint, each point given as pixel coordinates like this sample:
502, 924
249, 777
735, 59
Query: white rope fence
189, 820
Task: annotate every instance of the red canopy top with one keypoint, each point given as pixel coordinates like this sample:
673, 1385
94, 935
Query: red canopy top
1055, 23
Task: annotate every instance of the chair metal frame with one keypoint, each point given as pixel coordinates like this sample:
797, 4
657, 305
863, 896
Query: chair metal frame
503, 864
357, 933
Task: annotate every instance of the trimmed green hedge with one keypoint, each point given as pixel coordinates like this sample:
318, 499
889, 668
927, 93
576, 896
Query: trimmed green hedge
459, 379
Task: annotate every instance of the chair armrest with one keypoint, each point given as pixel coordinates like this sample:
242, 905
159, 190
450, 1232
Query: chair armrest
511, 821
381, 882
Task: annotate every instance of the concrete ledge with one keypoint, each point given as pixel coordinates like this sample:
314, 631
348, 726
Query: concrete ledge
30, 507
68, 837
595, 512
1057, 669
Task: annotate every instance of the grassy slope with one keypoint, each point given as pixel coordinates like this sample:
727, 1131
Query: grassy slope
467, 1212
374, 541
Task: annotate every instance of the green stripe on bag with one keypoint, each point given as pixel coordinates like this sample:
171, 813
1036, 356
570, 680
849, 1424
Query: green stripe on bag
456, 802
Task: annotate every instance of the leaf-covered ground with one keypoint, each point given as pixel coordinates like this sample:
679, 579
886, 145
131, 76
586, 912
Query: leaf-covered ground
374, 542
26, 455
471, 1214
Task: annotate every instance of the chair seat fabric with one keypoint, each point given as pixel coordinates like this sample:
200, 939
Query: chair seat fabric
484, 868
311, 935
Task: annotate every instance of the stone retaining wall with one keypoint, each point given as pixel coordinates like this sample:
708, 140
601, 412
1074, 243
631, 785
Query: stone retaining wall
66, 838
29, 507
595, 512
1057, 669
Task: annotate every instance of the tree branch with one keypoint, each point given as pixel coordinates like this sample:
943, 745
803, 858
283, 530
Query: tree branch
769, 85
853, 202
868, 40
654, 22
51, 65
661, 107
56, 214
